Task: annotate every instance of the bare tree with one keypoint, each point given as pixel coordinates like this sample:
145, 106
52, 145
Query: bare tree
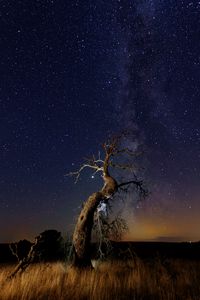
85, 222
46, 247
20, 249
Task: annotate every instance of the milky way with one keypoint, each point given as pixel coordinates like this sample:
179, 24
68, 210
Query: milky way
72, 73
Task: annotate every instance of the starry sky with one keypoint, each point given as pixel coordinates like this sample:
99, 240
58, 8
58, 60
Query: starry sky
73, 72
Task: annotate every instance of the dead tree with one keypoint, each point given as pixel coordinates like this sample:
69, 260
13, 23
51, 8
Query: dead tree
46, 247
83, 229
20, 249
27, 260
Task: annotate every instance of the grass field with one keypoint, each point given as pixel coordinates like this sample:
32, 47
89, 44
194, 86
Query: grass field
172, 279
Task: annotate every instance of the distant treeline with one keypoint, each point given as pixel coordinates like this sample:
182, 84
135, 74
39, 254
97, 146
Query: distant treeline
48, 246
148, 250
51, 246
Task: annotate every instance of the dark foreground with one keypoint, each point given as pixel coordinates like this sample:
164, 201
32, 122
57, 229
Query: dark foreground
126, 250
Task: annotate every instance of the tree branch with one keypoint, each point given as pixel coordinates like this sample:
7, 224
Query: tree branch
78, 173
138, 184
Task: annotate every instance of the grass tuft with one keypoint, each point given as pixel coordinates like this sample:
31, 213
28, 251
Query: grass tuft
134, 279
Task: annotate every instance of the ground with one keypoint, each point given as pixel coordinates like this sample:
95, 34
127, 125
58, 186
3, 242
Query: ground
132, 279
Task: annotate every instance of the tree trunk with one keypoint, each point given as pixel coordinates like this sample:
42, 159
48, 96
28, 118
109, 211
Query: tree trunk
84, 225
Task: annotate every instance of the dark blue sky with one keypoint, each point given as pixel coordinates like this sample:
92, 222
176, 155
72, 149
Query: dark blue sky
74, 71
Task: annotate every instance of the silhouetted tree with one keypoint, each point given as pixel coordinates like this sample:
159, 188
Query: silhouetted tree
20, 249
83, 229
48, 246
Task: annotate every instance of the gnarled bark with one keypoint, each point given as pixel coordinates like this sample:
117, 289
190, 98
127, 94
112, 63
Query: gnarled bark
84, 225
83, 229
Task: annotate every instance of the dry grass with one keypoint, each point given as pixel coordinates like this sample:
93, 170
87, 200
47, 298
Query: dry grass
112, 280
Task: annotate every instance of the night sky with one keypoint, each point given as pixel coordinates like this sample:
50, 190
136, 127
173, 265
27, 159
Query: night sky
72, 72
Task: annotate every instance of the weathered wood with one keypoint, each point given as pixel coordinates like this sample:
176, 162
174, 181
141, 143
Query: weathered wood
85, 222
84, 225
83, 229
